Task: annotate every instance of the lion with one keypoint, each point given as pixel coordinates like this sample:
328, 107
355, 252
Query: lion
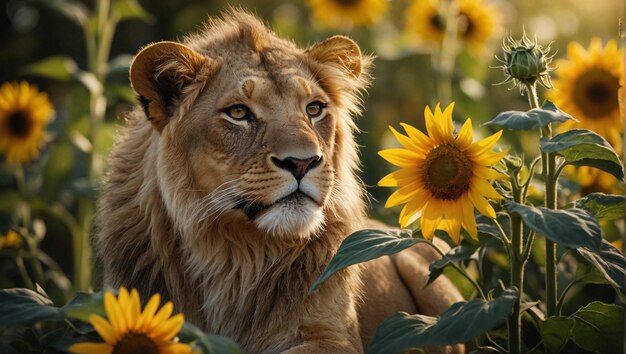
233, 183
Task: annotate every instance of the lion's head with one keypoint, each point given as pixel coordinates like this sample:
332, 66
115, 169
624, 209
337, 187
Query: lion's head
251, 128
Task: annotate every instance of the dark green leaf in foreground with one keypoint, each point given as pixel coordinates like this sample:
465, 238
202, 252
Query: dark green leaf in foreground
556, 331
460, 323
85, 304
58, 67
603, 206
24, 306
210, 344
534, 119
599, 328
610, 262
571, 228
365, 245
582, 147
456, 254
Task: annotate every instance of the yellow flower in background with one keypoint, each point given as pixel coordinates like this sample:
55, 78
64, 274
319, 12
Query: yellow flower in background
24, 113
11, 240
442, 177
586, 86
129, 330
348, 13
477, 21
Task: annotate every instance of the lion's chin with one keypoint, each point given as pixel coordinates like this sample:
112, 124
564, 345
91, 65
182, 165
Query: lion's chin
300, 218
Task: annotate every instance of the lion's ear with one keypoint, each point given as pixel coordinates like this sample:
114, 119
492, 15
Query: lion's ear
339, 51
158, 75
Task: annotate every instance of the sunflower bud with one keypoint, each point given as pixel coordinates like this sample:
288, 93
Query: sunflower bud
513, 163
526, 62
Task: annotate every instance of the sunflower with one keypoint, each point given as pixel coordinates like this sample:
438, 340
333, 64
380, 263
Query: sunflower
442, 177
24, 112
426, 20
348, 13
586, 86
129, 330
11, 240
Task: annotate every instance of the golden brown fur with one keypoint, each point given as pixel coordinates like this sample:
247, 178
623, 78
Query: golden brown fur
200, 207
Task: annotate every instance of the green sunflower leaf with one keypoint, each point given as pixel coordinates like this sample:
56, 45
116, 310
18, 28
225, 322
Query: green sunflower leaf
58, 67
530, 120
599, 327
571, 228
24, 306
210, 344
365, 245
85, 304
603, 206
130, 9
610, 262
460, 323
582, 147
457, 254
556, 331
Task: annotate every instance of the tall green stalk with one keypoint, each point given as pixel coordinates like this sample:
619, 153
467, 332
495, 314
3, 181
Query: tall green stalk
518, 262
548, 163
98, 41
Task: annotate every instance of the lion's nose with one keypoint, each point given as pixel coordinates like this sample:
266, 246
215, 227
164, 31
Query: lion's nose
297, 167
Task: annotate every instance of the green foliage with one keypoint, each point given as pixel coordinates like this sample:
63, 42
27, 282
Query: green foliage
58, 67
84, 305
596, 327
555, 332
571, 228
365, 245
209, 344
603, 206
610, 262
460, 323
582, 147
24, 306
533, 119
457, 254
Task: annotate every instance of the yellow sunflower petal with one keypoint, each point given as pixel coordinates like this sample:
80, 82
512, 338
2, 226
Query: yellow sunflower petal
481, 204
403, 195
412, 209
482, 146
401, 157
431, 217
91, 348
416, 135
174, 348
104, 329
490, 159
145, 319
469, 219
169, 329
407, 142
399, 177
485, 188
115, 313
464, 138
134, 310
163, 314
488, 173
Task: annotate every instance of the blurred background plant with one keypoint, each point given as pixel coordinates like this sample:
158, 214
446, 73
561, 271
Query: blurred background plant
64, 74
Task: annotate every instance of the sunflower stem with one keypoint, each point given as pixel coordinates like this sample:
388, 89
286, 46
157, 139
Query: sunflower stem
548, 163
517, 277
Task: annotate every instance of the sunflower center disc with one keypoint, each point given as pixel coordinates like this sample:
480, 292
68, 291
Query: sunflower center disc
447, 172
19, 124
466, 27
595, 93
135, 342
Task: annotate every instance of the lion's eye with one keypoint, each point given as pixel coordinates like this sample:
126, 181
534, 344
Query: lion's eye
315, 109
238, 112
